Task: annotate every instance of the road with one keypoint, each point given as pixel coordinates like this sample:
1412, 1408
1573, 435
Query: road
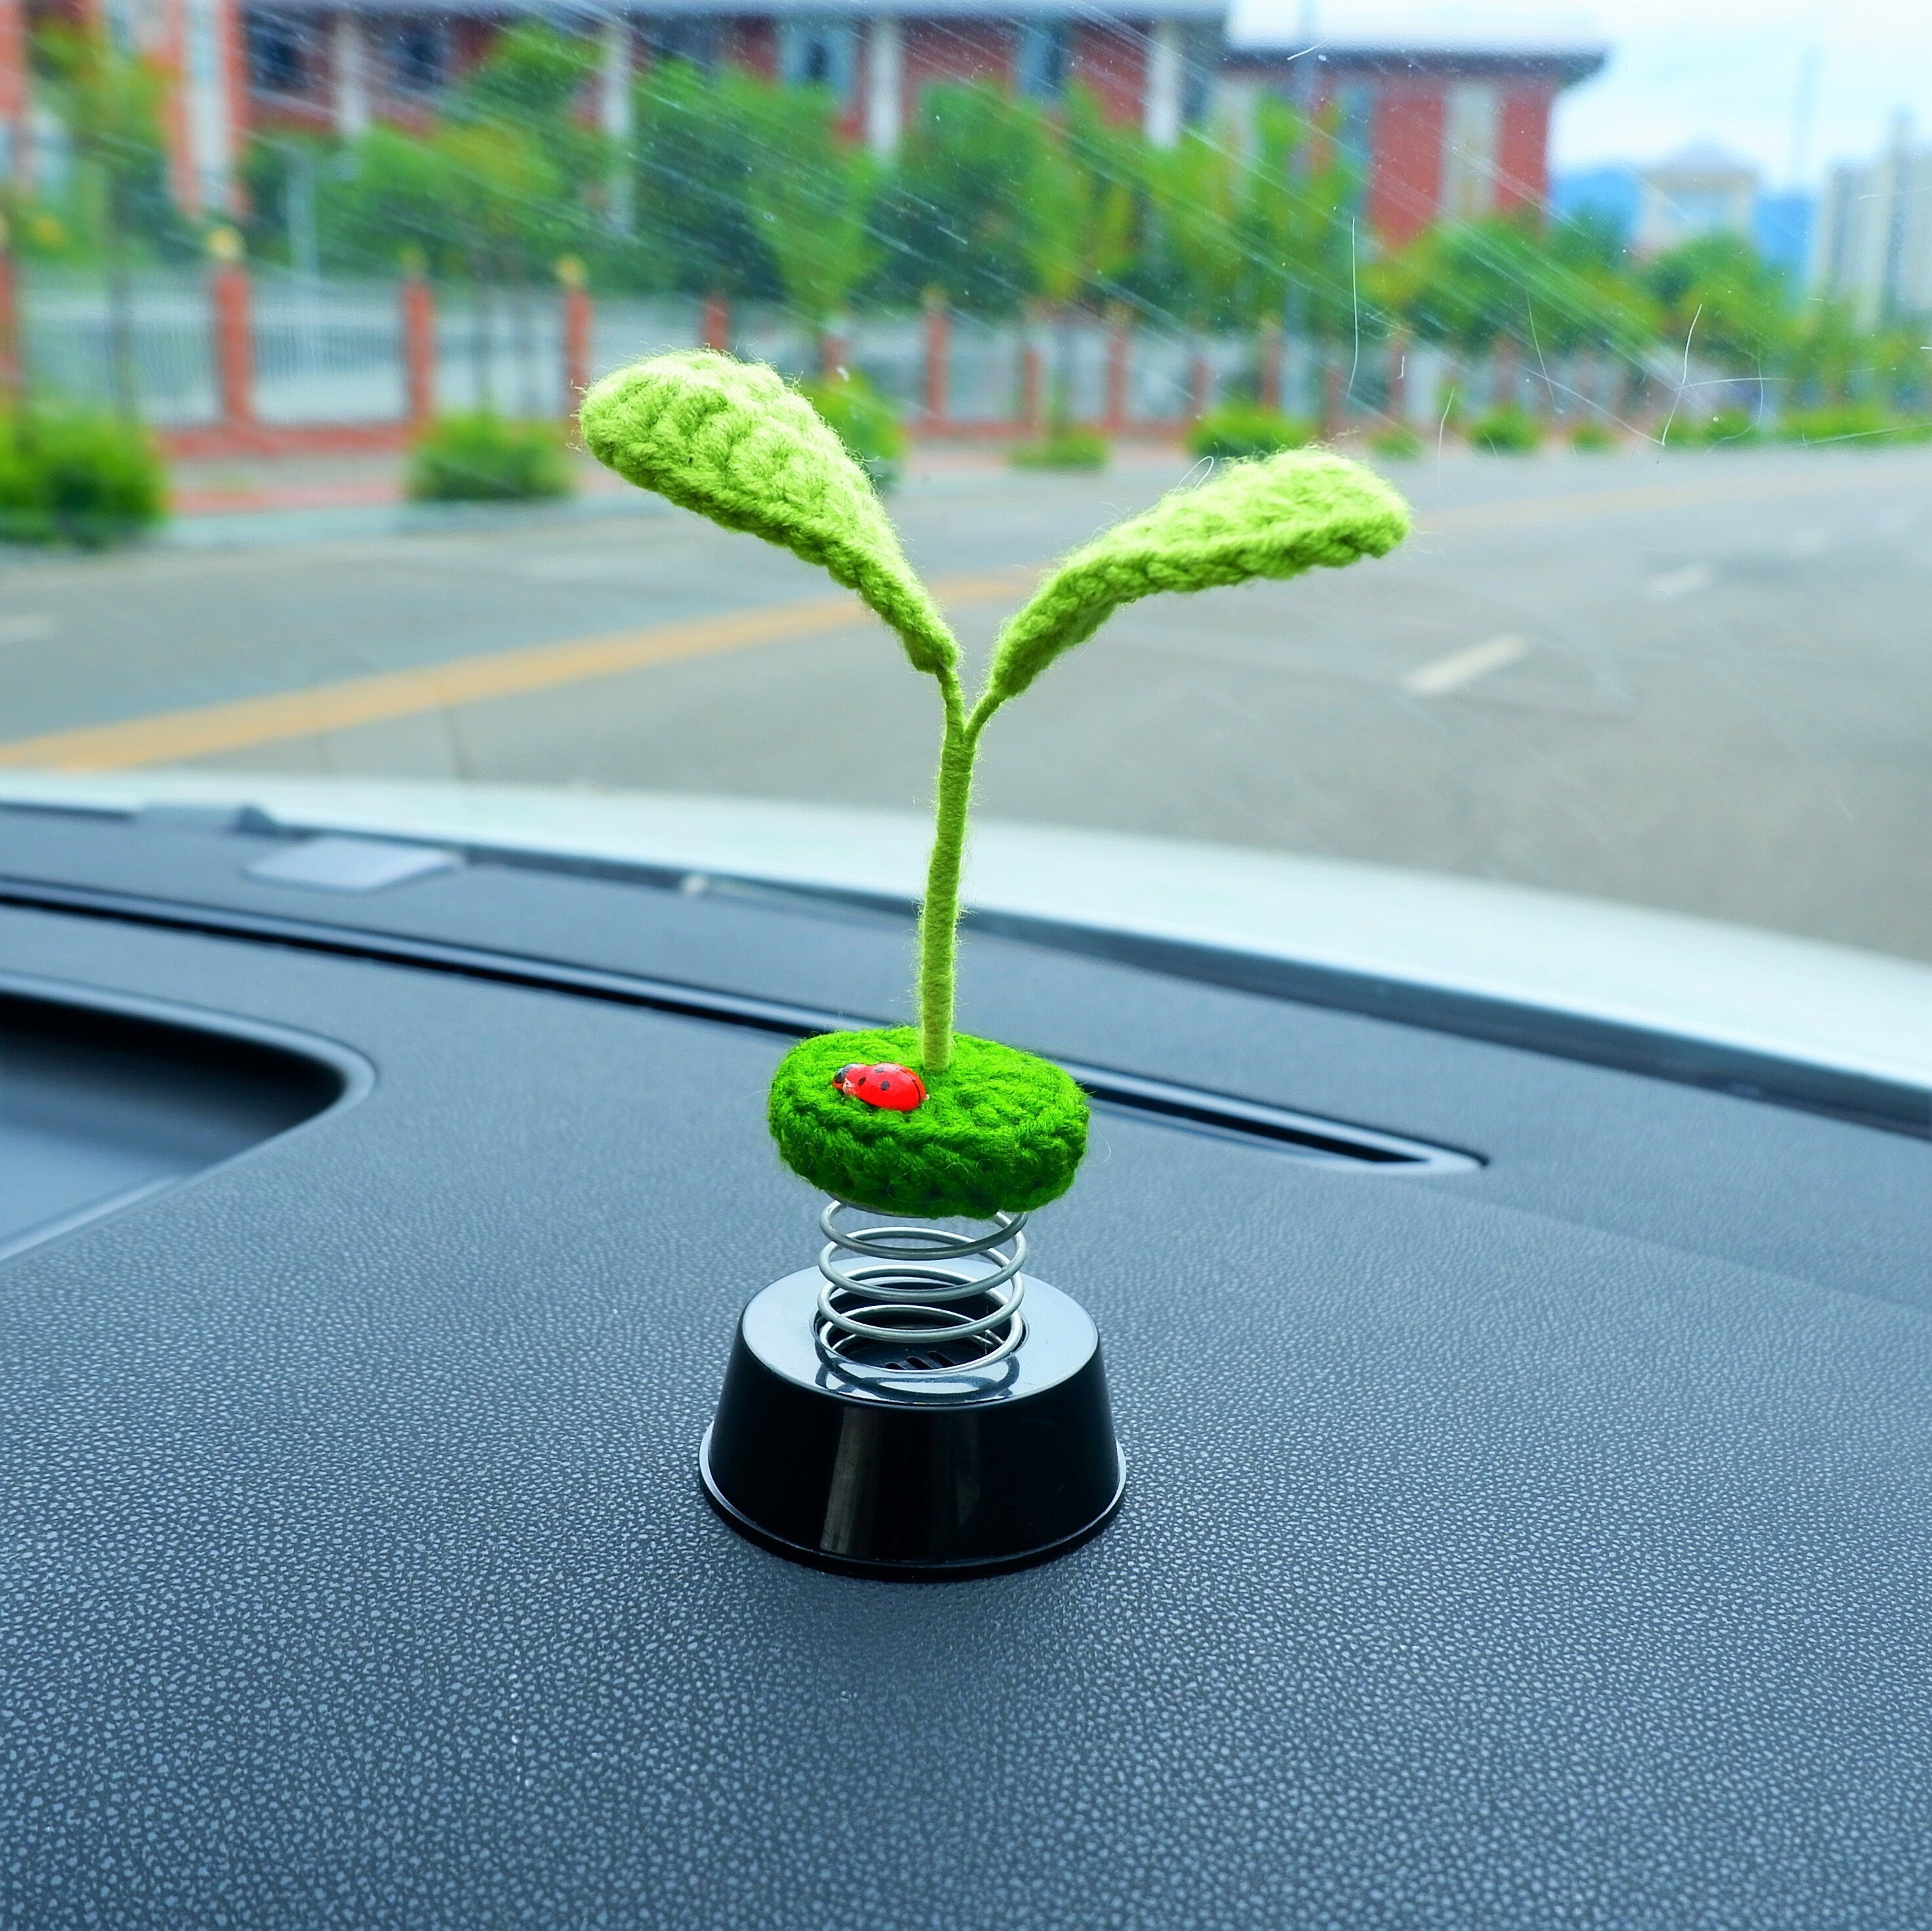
1697, 681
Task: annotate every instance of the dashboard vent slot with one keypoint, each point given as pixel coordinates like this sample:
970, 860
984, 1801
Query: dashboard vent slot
1328, 1142
1340, 1145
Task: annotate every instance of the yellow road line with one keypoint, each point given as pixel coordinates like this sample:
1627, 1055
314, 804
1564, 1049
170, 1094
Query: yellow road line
246, 722
1633, 496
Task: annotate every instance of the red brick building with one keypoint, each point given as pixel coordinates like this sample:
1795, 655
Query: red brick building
319, 64
1434, 133
204, 114
12, 86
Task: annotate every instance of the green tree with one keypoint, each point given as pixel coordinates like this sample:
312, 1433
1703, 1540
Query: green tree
504, 195
540, 174
499, 188
1463, 285
811, 195
1458, 287
496, 193
1824, 355
477, 199
1299, 239
110, 104
696, 145
961, 212
530, 85
1717, 295
532, 77
391, 192
1580, 295
1194, 252
283, 175
1085, 229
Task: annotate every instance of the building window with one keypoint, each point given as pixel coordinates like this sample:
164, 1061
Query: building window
1042, 59
1200, 73
278, 54
415, 56
1471, 123
819, 53
1352, 118
697, 42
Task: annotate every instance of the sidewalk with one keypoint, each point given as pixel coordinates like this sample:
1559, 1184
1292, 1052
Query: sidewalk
240, 486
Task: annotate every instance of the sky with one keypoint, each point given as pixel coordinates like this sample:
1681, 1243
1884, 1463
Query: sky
1683, 71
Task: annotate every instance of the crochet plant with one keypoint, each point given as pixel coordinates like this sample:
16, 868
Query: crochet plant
972, 1128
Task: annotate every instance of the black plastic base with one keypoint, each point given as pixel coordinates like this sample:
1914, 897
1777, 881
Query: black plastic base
914, 1476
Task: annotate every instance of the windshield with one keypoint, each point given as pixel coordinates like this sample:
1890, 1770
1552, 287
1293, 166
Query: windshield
298, 301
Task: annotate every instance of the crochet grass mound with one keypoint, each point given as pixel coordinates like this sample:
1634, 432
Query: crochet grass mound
1000, 1131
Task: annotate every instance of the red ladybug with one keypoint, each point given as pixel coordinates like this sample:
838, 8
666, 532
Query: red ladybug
896, 1088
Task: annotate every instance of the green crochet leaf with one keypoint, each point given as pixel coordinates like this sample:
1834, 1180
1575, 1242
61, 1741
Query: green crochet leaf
1274, 518
731, 441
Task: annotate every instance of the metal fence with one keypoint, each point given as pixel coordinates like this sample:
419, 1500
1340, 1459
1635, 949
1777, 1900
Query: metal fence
625, 328
326, 352
889, 352
153, 348
499, 350
333, 352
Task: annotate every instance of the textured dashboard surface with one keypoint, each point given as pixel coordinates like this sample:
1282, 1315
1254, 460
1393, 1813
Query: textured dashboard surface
1544, 1545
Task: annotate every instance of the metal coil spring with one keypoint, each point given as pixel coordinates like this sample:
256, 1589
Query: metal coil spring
905, 1292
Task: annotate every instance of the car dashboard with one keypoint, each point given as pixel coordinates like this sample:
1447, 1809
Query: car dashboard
1528, 1455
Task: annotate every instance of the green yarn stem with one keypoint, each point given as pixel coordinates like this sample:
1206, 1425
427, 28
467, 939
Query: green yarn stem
939, 911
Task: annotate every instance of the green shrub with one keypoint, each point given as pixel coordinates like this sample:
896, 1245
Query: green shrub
1510, 430
1865, 425
1244, 430
1731, 425
1064, 449
864, 421
1710, 428
1592, 438
1398, 441
70, 476
487, 459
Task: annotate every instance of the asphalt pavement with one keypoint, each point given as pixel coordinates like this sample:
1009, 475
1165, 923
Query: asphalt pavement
1696, 680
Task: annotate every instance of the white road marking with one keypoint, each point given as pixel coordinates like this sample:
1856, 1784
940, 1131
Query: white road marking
1464, 667
1685, 583
26, 629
